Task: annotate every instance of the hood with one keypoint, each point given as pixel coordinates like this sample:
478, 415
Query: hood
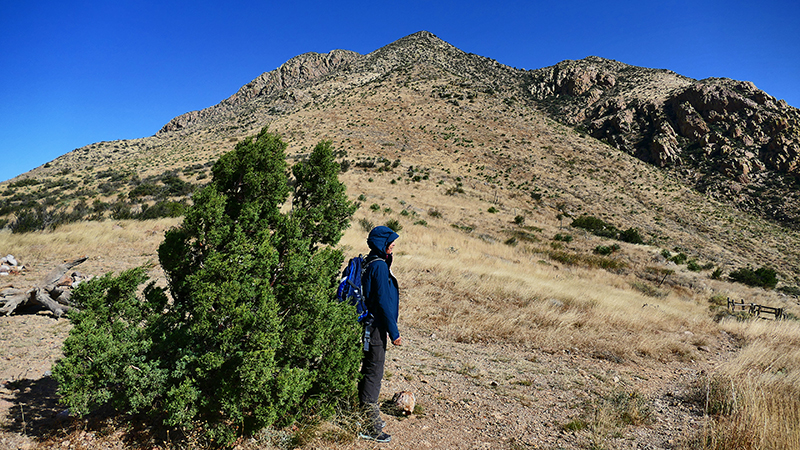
380, 238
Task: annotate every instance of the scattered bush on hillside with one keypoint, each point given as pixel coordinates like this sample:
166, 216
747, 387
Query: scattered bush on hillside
762, 277
251, 337
563, 237
631, 235
394, 225
605, 250
595, 226
365, 224
601, 228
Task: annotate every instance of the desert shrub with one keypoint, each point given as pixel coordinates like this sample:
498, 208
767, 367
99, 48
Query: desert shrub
144, 190
762, 277
24, 182
519, 220
365, 224
375, 207
563, 237
492, 210
36, 218
595, 226
175, 187
679, 259
394, 225
163, 208
605, 249
121, 211
631, 235
251, 336
694, 266
716, 274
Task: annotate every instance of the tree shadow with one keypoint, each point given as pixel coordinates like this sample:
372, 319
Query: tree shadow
35, 412
35, 407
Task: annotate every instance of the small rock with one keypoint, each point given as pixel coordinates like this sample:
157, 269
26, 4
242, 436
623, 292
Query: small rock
404, 401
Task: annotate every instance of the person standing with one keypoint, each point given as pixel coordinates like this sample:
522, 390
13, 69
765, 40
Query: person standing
382, 298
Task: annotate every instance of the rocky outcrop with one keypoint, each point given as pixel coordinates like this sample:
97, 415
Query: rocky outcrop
296, 71
725, 134
660, 116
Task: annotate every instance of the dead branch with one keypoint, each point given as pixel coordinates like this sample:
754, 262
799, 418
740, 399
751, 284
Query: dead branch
52, 292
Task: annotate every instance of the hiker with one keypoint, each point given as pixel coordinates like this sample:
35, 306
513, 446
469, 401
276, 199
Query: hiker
382, 298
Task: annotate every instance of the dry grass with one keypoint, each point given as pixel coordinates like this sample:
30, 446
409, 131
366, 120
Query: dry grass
473, 290
755, 398
111, 246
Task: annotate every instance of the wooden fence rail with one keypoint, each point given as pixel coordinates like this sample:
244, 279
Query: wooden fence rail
755, 309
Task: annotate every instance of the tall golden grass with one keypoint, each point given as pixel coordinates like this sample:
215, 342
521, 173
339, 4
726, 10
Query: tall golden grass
111, 245
474, 290
754, 399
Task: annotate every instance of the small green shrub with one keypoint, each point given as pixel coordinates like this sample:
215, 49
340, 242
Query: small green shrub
492, 210
603, 250
679, 259
631, 235
394, 225
563, 237
365, 224
762, 277
375, 207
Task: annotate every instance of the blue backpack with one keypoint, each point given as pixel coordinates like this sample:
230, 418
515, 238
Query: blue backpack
350, 290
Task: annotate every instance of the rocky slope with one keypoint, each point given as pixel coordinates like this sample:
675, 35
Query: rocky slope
729, 138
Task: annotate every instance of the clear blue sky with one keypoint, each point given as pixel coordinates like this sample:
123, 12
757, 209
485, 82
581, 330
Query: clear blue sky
74, 72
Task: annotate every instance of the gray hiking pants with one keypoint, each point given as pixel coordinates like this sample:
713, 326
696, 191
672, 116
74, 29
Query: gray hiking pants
369, 388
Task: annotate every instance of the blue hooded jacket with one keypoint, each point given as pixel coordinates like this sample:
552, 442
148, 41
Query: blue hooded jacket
381, 291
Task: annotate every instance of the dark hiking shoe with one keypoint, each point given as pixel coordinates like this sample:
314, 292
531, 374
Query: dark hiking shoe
373, 413
380, 437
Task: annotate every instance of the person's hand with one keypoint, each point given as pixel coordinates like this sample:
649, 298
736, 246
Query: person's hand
398, 341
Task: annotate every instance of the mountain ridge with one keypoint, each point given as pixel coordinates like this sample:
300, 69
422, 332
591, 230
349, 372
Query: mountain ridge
548, 140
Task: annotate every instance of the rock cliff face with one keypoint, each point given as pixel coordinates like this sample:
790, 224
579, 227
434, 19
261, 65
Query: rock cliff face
665, 118
732, 139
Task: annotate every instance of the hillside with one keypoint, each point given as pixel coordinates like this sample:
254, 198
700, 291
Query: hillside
540, 143
525, 332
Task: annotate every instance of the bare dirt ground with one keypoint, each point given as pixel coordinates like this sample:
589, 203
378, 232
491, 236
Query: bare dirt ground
469, 396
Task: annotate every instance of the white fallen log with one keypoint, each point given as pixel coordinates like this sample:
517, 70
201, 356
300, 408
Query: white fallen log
50, 292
